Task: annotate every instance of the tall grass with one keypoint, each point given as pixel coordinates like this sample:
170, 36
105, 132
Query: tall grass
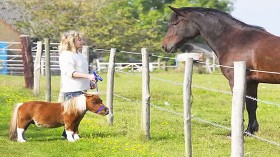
125, 137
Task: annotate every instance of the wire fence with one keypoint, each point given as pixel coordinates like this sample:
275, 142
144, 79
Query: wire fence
196, 118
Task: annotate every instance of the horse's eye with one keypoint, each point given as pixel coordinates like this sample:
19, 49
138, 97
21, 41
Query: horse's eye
93, 102
175, 22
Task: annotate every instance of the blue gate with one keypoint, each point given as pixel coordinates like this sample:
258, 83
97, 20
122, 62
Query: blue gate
3, 58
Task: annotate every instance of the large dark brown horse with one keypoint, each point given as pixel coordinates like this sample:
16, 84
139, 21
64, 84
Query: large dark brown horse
231, 40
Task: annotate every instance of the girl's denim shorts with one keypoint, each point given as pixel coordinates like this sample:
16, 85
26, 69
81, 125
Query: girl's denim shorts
69, 95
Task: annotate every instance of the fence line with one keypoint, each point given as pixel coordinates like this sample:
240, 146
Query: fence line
208, 89
194, 117
53, 63
218, 91
252, 70
197, 119
14, 62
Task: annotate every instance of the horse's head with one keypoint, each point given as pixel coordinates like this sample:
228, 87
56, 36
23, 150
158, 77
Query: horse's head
181, 29
94, 104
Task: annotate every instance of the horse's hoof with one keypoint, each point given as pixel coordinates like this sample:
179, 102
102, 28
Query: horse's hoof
76, 137
244, 134
248, 133
21, 141
71, 140
229, 135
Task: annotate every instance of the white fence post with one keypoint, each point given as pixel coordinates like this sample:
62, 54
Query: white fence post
98, 65
110, 85
47, 70
214, 62
37, 66
145, 93
238, 100
187, 105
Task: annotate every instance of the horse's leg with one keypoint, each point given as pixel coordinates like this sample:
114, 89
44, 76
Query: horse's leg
20, 136
23, 123
69, 130
76, 127
251, 106
76, 131
69, 134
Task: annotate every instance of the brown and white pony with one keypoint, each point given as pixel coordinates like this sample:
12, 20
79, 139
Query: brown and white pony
51, 115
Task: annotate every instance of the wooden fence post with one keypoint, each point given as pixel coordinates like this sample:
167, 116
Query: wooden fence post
238, 100
37, 66
145, 93
187, 106
159, 62
43, 73
98, 65
28, 67
214, 62
207, 65
164, 65
47, 70
110, 85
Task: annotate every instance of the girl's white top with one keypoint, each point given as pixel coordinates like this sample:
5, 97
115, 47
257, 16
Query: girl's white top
70, 62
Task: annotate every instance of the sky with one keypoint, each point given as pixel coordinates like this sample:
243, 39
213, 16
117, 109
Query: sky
261, 13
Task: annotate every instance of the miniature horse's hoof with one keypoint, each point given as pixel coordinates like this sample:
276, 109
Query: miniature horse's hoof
71, 140
21, 140
76, 137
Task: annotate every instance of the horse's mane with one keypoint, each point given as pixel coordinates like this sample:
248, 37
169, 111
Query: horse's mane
217, 13
75, 105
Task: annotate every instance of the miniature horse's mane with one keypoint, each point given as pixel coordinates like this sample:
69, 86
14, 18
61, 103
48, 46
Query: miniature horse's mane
75, 105
216, 13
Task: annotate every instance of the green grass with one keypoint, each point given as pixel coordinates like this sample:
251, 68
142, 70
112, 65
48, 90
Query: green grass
126, 138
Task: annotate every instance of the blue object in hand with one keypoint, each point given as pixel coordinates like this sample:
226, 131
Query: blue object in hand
97, 77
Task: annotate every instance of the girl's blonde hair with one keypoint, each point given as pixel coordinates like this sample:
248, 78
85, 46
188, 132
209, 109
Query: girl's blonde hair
67, 41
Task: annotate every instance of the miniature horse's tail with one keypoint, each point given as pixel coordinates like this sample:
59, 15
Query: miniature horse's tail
13, 123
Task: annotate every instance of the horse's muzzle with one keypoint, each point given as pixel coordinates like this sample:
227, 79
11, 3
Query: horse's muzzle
172, 49
103, 110
106, 111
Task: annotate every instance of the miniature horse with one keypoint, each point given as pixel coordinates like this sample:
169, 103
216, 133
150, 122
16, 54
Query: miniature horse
231, 40
52, 115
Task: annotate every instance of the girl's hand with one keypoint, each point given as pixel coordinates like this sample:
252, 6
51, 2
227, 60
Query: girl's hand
92, 85
91, 77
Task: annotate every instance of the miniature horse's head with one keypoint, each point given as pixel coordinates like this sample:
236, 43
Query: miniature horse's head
94, 104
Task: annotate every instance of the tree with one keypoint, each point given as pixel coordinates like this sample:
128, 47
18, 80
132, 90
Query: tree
124, 24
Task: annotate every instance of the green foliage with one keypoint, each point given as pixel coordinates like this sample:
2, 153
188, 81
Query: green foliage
123, 24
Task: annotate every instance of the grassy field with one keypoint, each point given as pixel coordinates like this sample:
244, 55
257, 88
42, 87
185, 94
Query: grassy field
125, 137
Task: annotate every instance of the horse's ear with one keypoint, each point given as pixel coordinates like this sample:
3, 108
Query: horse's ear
177, 11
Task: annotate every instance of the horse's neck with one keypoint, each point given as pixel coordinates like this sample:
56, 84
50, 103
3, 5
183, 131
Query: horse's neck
218, 35
215, 35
